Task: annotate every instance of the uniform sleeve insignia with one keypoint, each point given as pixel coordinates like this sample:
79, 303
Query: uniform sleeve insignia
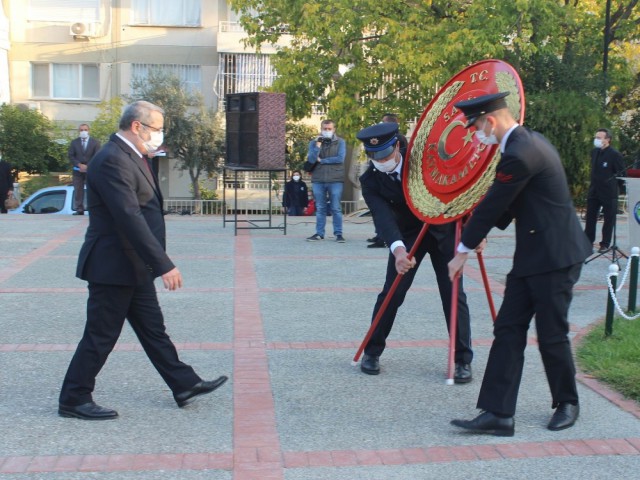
503, 178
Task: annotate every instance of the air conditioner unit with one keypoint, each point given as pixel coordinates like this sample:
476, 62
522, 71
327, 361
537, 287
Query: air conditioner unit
85, 29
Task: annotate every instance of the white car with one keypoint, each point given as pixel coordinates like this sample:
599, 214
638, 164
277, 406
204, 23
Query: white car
50, 200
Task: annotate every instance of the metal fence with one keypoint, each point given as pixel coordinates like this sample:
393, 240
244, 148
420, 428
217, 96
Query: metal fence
216, 207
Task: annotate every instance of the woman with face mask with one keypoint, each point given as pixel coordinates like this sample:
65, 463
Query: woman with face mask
296, 195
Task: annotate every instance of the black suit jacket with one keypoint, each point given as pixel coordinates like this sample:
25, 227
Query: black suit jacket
125, 240
6, 179
78, 155
392, 217
531, 187
606, 165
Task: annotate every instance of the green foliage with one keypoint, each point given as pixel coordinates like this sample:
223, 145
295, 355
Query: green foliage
24, 138
360, 58
615, 359
205, 192
569, 120
107, 120
194, 135
298, 136
58, 153
35, 183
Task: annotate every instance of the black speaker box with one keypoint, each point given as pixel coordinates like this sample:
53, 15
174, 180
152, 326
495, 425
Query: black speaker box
256, 130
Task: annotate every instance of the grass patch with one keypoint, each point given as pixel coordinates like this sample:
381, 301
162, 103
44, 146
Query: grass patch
614, 360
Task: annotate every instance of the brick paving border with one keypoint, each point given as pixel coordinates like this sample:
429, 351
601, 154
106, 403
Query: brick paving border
256, 447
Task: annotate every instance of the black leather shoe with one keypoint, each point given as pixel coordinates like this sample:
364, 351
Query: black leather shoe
87, 411
462, 373
564, 417
488, 423
199, 388
370, 364
377, 244
78, 213
373, 239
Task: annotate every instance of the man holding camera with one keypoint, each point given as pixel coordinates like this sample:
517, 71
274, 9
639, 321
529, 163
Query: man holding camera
325, 162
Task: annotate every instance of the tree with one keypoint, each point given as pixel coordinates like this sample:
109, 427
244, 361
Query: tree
193, 134
393, 55
108, 119
24, 138
298, 136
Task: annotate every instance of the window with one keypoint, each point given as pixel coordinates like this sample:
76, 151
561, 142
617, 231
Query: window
189, 75
49, 202
180, 13
67, 11
70, 81
243, 73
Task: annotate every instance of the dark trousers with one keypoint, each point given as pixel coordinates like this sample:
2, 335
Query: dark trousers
609, 209
547, 296
107, 308
78, 191
439, 260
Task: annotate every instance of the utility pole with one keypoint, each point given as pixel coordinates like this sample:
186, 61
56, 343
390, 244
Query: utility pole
605, 55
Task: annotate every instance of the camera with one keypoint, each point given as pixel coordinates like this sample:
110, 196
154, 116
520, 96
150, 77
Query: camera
323, 140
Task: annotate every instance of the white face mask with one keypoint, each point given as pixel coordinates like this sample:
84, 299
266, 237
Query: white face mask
327, 133
84, 134
154, 142
386, 167
296, 178
490, 139
597, 142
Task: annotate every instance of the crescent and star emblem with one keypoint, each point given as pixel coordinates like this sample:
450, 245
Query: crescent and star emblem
442, 142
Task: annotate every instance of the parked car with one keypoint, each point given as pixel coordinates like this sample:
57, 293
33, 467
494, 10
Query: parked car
51, 200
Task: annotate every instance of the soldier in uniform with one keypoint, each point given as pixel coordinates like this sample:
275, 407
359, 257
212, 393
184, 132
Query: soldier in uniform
531, 188
399, 228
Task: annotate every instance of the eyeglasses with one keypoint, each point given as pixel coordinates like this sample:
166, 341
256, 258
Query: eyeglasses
155, 129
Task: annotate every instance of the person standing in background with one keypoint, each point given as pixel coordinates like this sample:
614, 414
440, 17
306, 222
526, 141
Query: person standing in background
296, 195
6, 184
81, 150
606, 165
325, 159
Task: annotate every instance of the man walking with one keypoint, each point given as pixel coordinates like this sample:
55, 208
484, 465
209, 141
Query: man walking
123, 251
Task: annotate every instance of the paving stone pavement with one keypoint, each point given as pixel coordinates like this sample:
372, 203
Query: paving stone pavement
283, 318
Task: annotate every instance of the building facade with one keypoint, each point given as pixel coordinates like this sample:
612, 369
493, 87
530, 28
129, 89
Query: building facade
64, 57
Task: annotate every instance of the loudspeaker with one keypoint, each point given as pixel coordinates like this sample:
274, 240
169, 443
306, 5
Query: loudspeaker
256, 130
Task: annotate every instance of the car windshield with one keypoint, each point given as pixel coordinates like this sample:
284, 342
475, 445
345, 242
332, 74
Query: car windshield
48, 202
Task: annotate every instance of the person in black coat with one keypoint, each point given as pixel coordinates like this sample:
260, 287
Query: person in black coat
123, 251
606, 165
530, 188
81, 151
6, 184
399, 228
296, 195
376, 241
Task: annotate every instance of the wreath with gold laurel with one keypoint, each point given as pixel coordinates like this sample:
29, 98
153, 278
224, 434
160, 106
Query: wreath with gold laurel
429, 205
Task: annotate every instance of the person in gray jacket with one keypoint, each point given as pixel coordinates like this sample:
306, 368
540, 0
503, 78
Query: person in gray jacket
325, 161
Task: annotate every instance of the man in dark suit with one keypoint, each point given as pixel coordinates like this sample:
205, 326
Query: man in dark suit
6, 183
399, 228
606, 165
531, 188
376, 241
81, 151
123, 251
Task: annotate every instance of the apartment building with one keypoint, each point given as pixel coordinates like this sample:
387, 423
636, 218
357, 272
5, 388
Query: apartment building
63, 57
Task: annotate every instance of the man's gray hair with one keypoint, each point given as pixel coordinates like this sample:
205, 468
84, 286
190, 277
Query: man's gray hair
139, 111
